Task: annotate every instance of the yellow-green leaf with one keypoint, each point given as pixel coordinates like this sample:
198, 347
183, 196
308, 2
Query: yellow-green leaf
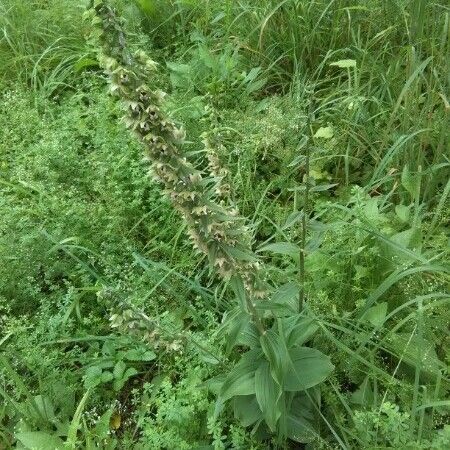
344, 63
324, 133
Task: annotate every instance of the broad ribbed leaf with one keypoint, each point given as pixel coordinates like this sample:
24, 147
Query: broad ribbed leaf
322, 187
403, 212
45, 407
246, 409
297, 329
119, 369
249, 335
292, 219
309, 367
238, 254
299, 421
234, 323
147, 6
282, 303
268, 393
38, 440
239, 290
275, 353
241, 379
286, 296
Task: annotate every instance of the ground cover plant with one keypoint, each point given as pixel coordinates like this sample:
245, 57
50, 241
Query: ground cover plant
224, 225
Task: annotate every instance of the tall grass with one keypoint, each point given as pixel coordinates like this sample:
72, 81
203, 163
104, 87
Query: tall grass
399, 84
41, 43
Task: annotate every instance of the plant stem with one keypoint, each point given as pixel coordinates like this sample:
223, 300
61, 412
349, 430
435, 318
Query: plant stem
255, 317
304, 222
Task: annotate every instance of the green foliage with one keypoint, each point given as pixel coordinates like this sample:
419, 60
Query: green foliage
275, 375
42, 44
325, 125
389, 428
217, 73
116, 364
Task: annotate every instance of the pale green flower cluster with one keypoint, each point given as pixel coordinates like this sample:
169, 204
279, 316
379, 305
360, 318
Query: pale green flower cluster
215, 227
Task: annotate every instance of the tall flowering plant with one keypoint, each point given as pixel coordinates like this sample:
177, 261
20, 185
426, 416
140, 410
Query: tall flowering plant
274, 383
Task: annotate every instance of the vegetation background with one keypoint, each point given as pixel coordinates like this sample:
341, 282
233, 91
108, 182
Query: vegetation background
87, 241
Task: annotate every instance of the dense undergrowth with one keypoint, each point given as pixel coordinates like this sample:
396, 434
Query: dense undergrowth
326, 125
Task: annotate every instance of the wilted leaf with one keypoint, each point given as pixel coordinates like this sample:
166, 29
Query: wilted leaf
115, 421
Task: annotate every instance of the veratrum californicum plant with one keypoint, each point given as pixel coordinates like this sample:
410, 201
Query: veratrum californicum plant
215, 226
